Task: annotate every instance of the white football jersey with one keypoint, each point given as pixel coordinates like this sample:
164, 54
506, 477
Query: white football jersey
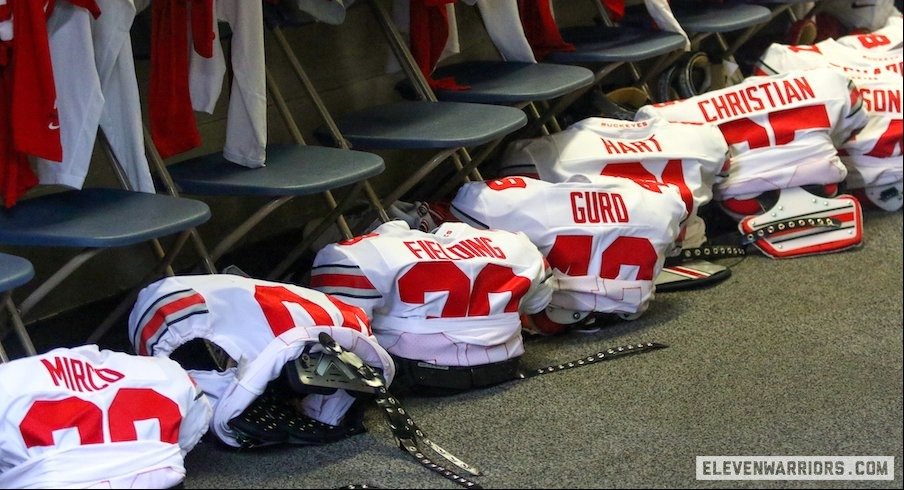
246, 121
260, 324
6, 26
451, 297
860, 14
782, 130
887, 38
605, 237
90, 418
690, 156
96, 86
781, 58
873, 155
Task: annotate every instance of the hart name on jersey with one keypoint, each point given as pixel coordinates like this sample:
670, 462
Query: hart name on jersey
619, 147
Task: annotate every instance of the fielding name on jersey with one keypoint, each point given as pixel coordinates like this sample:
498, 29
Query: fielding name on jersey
766, 95
465, 249
78, 375
598, 207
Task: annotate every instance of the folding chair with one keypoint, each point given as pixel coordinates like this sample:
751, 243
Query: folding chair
92, 220
292, 170
446, 128
520, 84
778, 9
711, 21
605, 48
14, 272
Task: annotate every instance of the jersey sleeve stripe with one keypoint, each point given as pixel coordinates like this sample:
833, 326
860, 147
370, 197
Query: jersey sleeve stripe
166, 314
350, 292
468, 218
341, 280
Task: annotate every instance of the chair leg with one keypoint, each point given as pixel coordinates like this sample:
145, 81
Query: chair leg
230, 240
54, 280
279, 273
18, 326
126, 304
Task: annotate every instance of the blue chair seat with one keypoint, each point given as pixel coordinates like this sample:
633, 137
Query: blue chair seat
428, 125
98, 218
291, 170
719, 18
599, 44
14, 271
503, 82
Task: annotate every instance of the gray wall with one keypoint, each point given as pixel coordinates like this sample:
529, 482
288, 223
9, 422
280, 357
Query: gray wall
346, 63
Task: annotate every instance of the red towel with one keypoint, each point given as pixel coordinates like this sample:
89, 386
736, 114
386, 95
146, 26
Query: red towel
429, 32
29, 123
615, 8
540, 28
172, 120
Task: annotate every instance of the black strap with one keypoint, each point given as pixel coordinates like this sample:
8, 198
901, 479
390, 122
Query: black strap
410, 436
706, 252
406, 432
792, 224
425, 377
606, 355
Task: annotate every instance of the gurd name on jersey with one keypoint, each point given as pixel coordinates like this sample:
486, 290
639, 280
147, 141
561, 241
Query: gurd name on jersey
598, 207
78, 375
881, 100
465, 249
754, 98
618, 147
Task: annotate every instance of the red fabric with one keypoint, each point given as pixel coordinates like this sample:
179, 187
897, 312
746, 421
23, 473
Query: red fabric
429, 31
29, 124
201, 31
16, 175
36, 123
615, 8
172, 120
540, 28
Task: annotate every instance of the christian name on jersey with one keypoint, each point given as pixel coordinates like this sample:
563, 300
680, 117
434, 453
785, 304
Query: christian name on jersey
881, 100
767, 95
78, 375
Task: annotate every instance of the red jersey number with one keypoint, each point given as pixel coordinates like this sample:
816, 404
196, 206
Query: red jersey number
782, 127
673, 173
129, 406
571, 254
464, 298
273, 299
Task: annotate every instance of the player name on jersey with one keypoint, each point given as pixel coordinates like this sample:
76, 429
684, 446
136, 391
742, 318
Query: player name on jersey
598, 207
78, 375
762, 96
877, 100
463, 250
616, 147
